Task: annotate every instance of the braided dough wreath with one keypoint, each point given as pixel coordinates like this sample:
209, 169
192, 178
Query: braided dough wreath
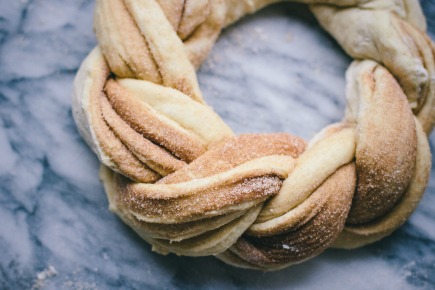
175, 172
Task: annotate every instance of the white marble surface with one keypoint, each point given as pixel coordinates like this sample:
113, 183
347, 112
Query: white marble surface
275, 71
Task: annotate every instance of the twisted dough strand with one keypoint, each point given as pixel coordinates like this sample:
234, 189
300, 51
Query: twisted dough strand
175, 172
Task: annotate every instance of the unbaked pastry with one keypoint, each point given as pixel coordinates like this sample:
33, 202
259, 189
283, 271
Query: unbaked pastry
175, 172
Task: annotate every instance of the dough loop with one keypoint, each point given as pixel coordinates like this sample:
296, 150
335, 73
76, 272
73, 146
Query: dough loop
175, 172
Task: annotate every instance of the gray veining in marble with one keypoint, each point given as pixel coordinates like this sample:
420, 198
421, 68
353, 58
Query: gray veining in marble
275, 71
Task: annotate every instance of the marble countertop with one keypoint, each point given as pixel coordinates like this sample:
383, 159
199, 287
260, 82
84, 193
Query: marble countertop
275, 71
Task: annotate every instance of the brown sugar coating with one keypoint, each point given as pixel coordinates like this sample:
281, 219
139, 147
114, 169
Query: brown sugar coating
236, 151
